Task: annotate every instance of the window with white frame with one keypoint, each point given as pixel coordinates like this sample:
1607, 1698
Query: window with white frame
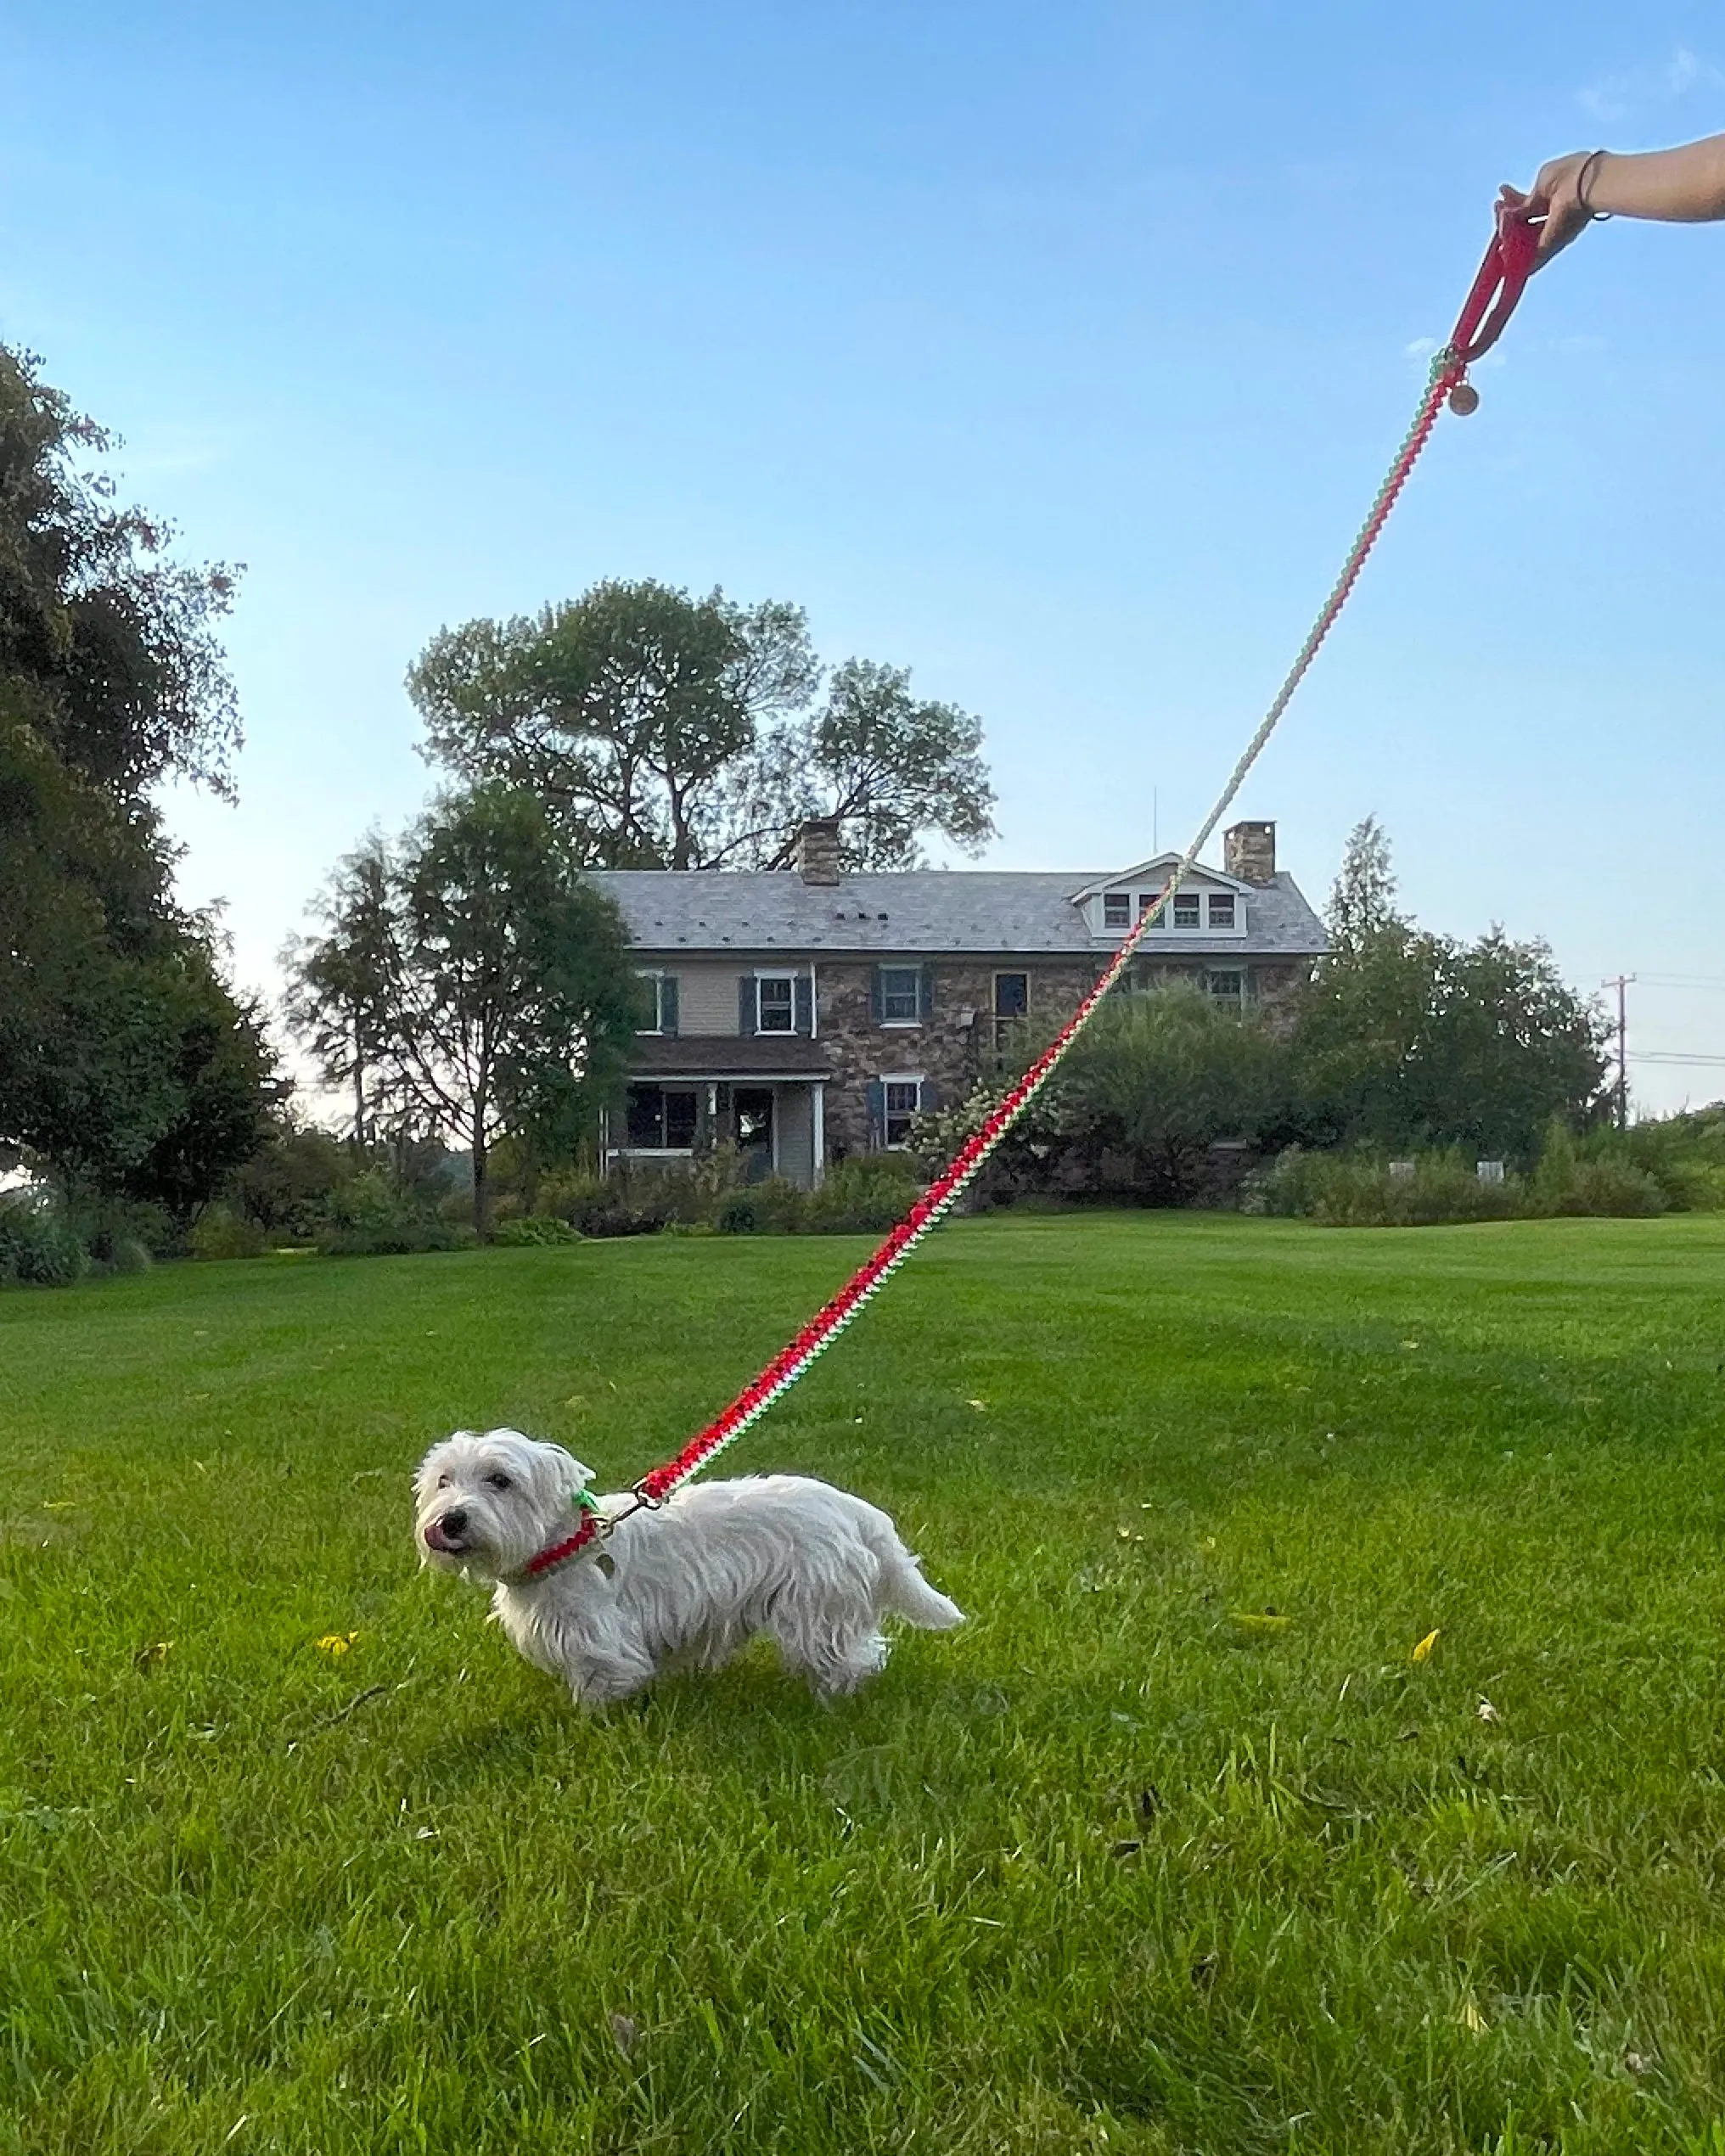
1226, 985
1146, 900
1221, 909
661, 998
1116, 909
661, 1119
1183, 911
901, 1100
775, 1003
901, 995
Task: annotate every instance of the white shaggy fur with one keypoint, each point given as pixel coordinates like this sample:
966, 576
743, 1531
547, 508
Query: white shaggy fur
686, 1585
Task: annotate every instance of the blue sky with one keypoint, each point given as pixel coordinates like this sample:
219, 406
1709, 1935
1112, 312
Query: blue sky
1055, 352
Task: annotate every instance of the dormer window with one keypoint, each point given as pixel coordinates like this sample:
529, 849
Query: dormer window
1116, 909
1185, 909
1221, 909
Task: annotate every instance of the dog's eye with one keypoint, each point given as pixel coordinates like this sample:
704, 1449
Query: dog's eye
498, 1481
443, 1482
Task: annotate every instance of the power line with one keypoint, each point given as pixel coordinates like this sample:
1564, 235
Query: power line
1661, 1055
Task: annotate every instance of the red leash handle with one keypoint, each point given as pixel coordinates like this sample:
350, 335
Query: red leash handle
1502, 277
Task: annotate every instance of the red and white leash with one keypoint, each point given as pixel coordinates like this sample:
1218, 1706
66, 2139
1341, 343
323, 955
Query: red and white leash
1507, 263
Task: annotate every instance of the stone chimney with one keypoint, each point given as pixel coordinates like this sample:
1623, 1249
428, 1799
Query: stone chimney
816, 855
1249, 851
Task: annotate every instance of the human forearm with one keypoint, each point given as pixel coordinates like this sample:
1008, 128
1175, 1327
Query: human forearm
1681, 186
1685, 186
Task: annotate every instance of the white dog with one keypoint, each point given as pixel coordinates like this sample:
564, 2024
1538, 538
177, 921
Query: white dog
687, 1585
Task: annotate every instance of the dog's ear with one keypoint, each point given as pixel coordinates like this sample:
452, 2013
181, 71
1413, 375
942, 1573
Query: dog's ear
565, 1473
425, 1475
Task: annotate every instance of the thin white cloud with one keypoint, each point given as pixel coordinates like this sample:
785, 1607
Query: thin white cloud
1618, 97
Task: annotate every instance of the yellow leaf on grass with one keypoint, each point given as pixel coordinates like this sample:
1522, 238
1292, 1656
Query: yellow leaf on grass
1259, 1621
336, 1642
1471, 2017
1422, 1652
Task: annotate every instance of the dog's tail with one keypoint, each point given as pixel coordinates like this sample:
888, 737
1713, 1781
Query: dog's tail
903, 1586
911, 1596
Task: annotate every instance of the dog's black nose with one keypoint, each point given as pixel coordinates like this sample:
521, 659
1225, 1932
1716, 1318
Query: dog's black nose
454, 1523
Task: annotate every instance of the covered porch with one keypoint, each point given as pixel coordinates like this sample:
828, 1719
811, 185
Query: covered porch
689, 1097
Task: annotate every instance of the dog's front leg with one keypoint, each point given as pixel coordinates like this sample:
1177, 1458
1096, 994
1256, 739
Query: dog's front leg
600, 1681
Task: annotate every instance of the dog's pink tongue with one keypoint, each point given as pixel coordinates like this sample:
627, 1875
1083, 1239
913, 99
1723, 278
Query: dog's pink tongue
435, 1539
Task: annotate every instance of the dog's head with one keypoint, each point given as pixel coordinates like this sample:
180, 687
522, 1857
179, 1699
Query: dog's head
484, 1504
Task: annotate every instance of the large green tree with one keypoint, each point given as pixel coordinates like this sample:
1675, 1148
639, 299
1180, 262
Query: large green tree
499, 995
126, 1067
890, 766
1145, 1095
1407, 1039
661, 730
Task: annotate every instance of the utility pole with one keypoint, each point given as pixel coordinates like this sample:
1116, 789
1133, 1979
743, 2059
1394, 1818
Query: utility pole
1620, 983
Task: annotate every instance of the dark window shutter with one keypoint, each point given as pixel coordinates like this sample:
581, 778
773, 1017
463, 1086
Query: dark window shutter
746, 1004
877, 998
667, 1004
877, 1114
929, 1097
926, 994
801, 1005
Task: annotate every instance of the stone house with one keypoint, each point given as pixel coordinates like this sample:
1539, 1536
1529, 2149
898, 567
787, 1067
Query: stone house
807, 1014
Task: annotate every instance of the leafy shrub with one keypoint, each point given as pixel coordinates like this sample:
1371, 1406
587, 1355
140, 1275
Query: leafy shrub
123, 1236
1684, 1154
288, 1185
38, 1245
535, 1231
219, 1232
632, 1201
398, 1239
1591, 1175
370, 1218
865, 1196
1356, 1189
771, 1206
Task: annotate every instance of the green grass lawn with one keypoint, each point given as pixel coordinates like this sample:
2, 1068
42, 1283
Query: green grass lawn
1124, 1865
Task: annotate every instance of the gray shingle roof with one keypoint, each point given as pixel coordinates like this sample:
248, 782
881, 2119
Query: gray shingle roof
921, 910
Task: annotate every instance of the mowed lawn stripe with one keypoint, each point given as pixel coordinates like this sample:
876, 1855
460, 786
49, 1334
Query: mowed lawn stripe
1174, 1847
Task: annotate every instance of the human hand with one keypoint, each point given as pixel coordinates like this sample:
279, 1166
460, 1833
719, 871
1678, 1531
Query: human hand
1554, 203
